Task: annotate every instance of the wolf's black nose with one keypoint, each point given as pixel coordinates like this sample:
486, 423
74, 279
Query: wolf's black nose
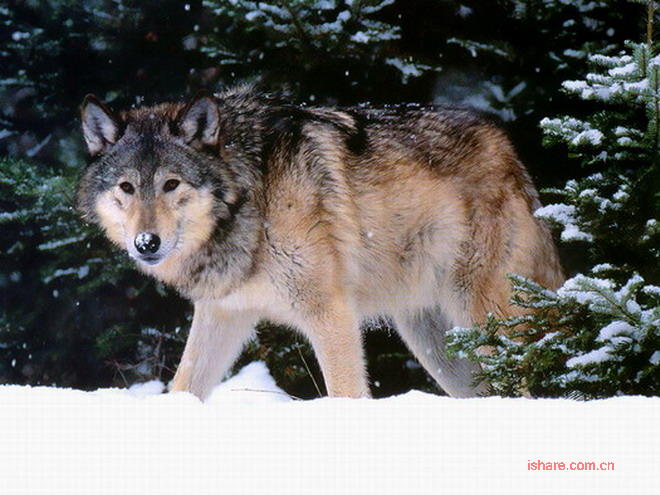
147, 243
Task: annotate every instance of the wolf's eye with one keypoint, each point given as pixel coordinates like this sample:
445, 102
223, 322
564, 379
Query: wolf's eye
127, 187
170, 185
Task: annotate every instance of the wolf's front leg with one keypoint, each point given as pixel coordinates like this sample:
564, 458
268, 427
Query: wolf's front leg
215, 341
335, 336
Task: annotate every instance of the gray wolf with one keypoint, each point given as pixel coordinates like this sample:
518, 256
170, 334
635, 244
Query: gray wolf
317, 218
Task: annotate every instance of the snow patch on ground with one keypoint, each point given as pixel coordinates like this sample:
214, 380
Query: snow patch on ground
252, 385
152, 387
250, 438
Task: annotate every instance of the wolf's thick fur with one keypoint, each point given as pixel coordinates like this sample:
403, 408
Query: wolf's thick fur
318, 218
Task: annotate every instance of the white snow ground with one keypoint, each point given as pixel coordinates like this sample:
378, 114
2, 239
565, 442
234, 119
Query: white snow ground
251, 438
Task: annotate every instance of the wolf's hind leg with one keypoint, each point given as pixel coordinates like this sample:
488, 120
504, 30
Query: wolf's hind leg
216, 338
424, 332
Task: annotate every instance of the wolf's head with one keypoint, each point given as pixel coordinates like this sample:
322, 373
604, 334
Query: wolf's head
156, 183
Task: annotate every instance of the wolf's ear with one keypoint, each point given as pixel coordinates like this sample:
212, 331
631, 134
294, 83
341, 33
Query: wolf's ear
101, 127
199, 121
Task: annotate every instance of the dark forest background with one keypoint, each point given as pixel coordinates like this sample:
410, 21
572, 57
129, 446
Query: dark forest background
73, 312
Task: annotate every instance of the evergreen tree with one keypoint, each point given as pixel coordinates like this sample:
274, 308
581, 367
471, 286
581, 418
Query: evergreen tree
325, 45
